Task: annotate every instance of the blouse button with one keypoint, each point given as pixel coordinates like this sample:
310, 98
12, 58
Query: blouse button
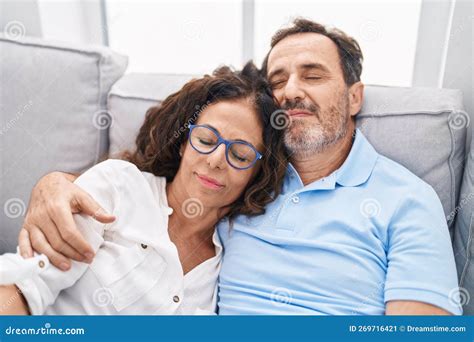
144, 246
41, 263
176, 299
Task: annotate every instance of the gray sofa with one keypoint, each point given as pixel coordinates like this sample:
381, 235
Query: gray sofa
63, 107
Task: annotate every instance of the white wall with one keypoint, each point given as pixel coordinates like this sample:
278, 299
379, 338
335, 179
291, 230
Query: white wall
405, 42
444, 57
385, 29
458, 70
190, 37
76, 21
20, 18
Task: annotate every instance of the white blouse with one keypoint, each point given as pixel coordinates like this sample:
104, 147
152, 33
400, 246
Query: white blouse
136, 269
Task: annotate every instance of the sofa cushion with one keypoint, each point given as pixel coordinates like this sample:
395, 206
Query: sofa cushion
463, 236
423, 129
53, 116
129, 100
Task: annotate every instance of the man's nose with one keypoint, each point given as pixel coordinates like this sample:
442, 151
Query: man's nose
293, 90
217, 159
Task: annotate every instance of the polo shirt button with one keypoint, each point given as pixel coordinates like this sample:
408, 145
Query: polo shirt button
144, 246
41, 263
295, 199
176, 299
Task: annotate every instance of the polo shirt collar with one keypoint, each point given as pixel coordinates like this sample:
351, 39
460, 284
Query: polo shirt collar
359, 164
355, 170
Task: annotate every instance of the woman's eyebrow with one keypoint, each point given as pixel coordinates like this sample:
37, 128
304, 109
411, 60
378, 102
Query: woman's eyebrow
210, 126
238, 139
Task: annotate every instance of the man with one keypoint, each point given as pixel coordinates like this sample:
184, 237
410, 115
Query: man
352, 232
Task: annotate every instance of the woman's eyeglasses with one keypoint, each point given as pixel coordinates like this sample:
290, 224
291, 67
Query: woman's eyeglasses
239, 154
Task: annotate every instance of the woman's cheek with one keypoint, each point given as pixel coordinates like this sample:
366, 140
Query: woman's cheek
243, 179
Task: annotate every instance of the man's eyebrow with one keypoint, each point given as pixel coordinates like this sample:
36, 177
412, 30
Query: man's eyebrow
310, 66
274, 73
305, 66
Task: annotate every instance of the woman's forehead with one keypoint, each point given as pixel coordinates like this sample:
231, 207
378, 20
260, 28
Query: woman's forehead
233, 120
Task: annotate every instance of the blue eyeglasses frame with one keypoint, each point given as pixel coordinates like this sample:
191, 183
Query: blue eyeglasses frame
227, 143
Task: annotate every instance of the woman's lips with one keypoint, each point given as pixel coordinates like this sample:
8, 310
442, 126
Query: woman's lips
209, 182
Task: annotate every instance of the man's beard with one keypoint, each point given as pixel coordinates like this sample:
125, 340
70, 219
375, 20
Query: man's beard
305, 136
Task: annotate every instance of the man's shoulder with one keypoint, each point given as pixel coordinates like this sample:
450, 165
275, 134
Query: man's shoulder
397, 182
395, 174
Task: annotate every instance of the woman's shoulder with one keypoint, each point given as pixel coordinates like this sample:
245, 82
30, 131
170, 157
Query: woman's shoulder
114, 170
132, 180
115, 165
120, 180
112, 174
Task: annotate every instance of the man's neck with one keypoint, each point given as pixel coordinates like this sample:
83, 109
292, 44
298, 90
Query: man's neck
319, 165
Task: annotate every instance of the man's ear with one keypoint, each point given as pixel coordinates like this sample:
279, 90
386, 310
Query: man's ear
356, 97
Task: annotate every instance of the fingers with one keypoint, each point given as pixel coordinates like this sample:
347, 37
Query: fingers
92, 208
68, 236
59, 244
24, 244
41, 245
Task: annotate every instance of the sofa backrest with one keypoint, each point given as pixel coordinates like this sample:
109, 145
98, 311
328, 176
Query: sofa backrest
464, 235
53, 103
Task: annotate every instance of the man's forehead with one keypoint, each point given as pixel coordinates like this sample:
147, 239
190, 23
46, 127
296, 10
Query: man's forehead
304, 48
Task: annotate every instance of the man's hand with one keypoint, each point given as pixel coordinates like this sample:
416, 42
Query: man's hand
49, 226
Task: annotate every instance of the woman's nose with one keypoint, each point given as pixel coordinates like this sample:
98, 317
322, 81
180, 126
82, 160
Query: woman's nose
217, 159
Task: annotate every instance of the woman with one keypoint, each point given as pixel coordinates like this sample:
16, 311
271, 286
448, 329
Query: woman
189, 170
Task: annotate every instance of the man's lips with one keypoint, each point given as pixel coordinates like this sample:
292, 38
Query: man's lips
298, 112
209, 182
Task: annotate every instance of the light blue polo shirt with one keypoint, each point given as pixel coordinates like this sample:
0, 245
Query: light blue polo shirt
346, 244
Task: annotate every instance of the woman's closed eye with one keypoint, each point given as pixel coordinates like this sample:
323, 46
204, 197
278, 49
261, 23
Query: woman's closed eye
239, 158
207, 142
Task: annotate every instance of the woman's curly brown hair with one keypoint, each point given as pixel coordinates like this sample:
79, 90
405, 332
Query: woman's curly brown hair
166, 128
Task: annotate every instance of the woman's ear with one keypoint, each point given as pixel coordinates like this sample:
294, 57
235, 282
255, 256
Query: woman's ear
181, 150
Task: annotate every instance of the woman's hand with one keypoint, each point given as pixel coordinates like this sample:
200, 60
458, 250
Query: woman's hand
49, 226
